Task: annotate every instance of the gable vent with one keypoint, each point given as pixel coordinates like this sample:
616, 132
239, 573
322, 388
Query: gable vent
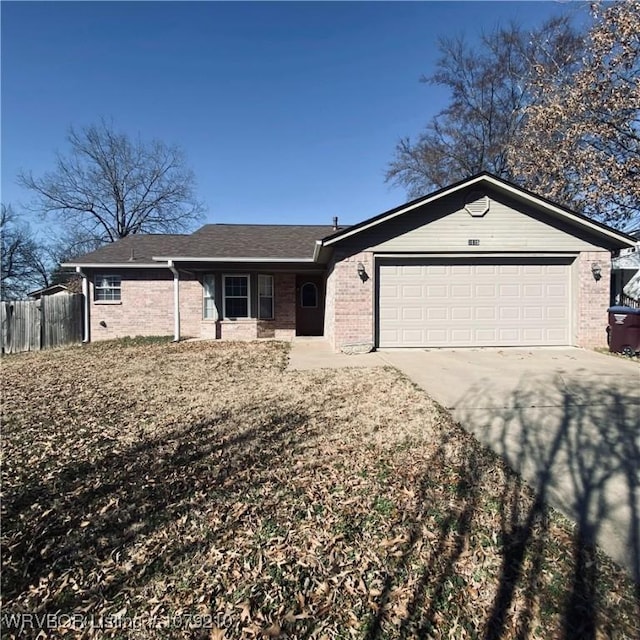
476, 204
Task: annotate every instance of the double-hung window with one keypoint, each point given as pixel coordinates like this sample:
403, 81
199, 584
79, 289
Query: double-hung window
265, 297
236, 296
209, 311
107, 288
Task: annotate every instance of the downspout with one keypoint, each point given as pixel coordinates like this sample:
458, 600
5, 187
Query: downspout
176, 301
85, 293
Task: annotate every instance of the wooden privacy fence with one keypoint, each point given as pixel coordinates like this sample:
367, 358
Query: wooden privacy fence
31, 325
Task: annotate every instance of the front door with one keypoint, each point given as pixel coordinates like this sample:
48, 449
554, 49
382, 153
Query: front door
309, 305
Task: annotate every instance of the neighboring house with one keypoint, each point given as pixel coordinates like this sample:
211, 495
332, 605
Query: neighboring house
479, 263
51, 290
626, 274
73, 285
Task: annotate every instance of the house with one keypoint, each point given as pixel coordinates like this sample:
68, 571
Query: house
51, 290
479, 263
626, 274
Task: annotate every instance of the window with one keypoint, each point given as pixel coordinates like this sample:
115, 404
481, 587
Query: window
265, 297
209, 311
236, 296
309, 295
107, 288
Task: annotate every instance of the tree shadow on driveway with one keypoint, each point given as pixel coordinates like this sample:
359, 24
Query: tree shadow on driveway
577, 443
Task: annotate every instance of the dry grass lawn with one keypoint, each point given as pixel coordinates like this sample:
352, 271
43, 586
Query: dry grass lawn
200, 490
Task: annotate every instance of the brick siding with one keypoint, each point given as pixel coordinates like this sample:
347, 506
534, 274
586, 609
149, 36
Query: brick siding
146, 308
593, 299
146, 305
350, 302
349, 310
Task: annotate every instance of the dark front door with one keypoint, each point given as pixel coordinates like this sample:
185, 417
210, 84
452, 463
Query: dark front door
309, 305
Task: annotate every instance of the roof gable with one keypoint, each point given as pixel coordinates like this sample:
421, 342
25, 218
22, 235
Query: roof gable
486, 180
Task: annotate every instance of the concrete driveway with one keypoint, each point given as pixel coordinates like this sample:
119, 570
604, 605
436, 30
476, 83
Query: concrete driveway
568, 420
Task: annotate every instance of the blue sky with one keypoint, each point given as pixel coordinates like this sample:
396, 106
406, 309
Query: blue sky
288, 112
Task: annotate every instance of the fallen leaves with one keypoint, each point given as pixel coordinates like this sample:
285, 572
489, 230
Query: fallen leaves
205, 492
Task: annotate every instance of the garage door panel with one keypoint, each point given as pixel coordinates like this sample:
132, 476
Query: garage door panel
461, 313
485, 269
533, 290
533, 269
390, 314
460, 270
463, 336
533, 313
413, 313
460, 291
509, 313
508, 335
485, 291
556, 269
413, 336
436, 291
509, 269
556, 313
437, 313
556, 291
411, 291
509, 291
555, 335
444, 305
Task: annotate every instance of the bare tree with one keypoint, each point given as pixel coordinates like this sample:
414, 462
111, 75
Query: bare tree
490, 89
24, 261
110, 186
580, 143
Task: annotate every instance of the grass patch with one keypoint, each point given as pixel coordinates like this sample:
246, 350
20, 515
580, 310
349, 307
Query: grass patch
203, 485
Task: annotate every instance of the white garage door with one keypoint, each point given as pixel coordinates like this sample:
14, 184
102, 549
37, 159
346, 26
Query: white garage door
500, 303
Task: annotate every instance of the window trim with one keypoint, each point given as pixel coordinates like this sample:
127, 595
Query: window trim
309, 306
116, 289
224, 295
212, 278
272, 297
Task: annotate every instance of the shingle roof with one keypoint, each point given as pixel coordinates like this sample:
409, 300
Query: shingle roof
255, 241
214, 241
136, 249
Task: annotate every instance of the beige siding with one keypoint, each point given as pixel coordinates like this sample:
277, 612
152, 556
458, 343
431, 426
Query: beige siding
446, 226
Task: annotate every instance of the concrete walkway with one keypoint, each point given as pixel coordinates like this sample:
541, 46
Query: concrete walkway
315, 353
567, 420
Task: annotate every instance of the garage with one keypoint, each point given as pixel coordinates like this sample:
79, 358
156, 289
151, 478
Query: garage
492, 302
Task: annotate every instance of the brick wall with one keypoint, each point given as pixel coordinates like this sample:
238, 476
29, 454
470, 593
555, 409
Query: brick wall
146, 308
593, 299
349, 315
283, 326
239, 329
329, 303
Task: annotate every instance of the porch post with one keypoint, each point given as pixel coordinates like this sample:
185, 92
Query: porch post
176, 302
85, 304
